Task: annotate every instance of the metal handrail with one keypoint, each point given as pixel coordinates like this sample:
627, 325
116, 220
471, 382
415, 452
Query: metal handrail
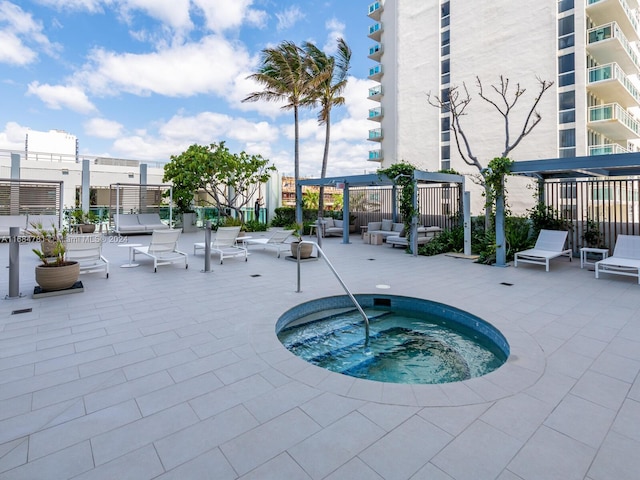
353, 299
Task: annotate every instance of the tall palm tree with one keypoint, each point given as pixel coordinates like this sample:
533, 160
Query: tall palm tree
284, 74
329, 79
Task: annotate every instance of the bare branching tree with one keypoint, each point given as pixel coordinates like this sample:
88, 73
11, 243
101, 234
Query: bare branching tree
458, 101
505, 101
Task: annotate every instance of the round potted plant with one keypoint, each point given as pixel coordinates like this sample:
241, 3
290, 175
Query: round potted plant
55, 272
306, 249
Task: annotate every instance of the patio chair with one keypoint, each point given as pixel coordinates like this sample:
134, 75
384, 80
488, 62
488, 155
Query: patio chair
86, 249
625, 259
163, 249
276, 240
549, 245
225, 244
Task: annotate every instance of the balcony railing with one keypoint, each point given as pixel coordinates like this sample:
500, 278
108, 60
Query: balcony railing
375, 73
610, 84
375, 31
375, 9
613, 121
375, 52
601, 11
375, 93
375, 135
609, 149
375, 114
599, 45
376, 155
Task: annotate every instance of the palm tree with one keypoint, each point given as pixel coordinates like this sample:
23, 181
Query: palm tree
329, 79
285, 77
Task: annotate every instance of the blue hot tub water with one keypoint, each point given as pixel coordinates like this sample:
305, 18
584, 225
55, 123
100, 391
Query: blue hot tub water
411, 340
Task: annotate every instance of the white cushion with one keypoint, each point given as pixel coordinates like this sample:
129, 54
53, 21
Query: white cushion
337, 223
386, 225
373, 226
397, 227
328, 222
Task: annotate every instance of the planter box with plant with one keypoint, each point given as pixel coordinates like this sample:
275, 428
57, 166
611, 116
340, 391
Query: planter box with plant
55, 272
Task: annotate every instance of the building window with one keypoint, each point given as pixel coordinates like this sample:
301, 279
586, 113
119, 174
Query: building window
444, 16
564, 5
568, 137
444, 74
567, 107
445, 40
445, 152
566, 29
566, 70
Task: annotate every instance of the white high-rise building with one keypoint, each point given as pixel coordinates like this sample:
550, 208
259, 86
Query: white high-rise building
586, 47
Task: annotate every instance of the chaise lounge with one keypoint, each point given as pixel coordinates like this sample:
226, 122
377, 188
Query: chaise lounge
549, 245
625, 259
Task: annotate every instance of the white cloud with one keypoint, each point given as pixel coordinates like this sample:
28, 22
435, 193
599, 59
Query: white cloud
92, 6
209, 66
289, 17
13, 136
175, 135
230, 14
57, 97
335, 31
103, 128
21, 36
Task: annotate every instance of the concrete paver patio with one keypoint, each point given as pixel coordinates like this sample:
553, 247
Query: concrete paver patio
179, 374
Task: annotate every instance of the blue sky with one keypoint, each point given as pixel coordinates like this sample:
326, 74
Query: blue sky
144, 79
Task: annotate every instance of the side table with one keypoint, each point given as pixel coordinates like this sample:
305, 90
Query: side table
604, 252
130, 246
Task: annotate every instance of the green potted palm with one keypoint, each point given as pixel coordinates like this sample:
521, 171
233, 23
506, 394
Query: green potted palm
306, 249
55, 272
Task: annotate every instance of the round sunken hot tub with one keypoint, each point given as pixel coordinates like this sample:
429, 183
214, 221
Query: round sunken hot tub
412, 340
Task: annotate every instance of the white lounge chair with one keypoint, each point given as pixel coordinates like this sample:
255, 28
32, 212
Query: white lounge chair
625, 259
86, 249
276, 240
225, 244
163, 249
549, 245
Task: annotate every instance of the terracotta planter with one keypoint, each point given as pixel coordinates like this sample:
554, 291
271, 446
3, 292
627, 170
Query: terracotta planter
52, 278
306, 249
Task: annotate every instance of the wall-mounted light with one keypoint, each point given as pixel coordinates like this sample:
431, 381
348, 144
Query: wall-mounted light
65, 171
130, 174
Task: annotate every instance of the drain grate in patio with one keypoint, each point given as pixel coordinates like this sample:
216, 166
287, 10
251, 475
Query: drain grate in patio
22, 310
255, 275
507, 284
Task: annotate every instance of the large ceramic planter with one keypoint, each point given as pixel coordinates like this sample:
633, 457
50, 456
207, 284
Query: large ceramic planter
87, 228
52, 278
306, 249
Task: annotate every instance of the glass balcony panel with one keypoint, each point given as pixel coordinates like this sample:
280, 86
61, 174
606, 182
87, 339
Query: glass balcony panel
375, 114
375, 135
375, 9
614, 122
603, 11
375, 52
609, 149
375, 73
610, 84
375, 31
375, 92
621, 52
376, 155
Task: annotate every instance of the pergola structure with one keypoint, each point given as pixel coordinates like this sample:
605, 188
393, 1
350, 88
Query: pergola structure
380, 180
618, 165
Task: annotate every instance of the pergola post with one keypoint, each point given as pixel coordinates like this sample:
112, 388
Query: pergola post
345, 213
501, 251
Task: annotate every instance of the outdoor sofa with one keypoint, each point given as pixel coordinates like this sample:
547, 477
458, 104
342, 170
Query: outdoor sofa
134, 223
